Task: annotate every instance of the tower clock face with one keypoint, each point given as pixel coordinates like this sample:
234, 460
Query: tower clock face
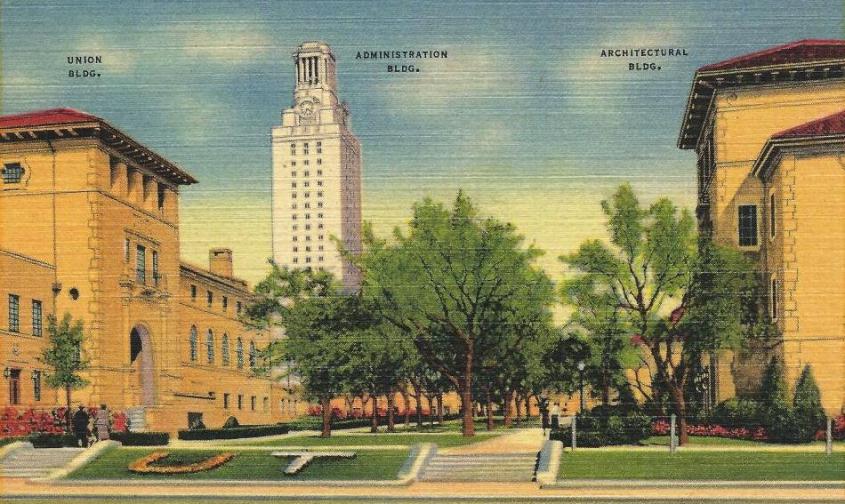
306, 109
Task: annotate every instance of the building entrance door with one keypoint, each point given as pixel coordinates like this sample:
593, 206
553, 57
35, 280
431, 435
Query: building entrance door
14, 386
141, 361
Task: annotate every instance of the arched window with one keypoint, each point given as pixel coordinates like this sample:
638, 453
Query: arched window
239, 353
209, 343
253, 354
225, 349
193, 343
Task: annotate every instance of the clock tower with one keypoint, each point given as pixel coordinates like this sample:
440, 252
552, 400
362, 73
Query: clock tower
316, 172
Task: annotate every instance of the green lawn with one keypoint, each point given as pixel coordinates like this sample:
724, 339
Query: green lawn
480, 425
701, 465
251, 465
442, 440
702, 441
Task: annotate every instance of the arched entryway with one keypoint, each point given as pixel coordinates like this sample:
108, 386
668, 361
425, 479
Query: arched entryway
141, 361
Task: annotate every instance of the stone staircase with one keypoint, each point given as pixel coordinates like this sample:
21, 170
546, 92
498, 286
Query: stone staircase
480, 467
28, 462
137, 417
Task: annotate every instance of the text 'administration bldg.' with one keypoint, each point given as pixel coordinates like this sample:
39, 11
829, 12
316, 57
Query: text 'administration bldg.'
316, 173
89, 226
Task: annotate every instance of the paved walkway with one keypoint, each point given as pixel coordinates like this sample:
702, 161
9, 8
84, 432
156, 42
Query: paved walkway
516, 441
484, 491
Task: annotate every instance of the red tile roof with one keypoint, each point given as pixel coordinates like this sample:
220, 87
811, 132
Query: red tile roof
46, 118
40, 124
833, 124
801, 51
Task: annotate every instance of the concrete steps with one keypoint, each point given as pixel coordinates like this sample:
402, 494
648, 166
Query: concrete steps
481, 467
137, 417
36, 462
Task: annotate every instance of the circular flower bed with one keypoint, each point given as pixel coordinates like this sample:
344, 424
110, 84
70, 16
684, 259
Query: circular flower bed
144, 465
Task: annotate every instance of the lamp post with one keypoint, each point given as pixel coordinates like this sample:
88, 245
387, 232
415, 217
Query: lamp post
581, 367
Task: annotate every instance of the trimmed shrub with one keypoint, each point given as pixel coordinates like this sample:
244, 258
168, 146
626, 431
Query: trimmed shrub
736, 412
605, 431
234, 432
807, 407
231, 422
141, 438
53, 441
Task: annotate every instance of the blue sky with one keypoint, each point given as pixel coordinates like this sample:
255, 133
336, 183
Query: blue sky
524, 114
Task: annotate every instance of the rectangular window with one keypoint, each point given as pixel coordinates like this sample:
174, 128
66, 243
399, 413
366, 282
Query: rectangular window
14, 313
141, 264
14, 386
12, 173
155, 268
225, 303
774, 301
161, 197
193, 293
319, 147
293, 149
265, 404
305, 148
772, 220
252, 400
36, 385
126, 245
240, 401
747, 225
209, 297
225, 401
37, 322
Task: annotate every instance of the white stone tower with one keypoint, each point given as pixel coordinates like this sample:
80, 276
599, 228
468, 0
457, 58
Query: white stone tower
316, 172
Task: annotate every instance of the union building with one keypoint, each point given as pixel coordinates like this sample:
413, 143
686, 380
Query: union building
89, 225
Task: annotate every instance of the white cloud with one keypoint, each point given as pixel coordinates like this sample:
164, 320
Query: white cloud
603, 83
224, 44
118, 58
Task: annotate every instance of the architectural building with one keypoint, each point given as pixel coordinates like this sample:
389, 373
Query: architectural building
89, 226
769, 131
316, 172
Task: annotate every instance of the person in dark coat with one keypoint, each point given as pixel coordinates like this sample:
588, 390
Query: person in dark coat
80, 426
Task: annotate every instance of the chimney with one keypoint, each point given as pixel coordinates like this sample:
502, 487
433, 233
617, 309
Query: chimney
220, 262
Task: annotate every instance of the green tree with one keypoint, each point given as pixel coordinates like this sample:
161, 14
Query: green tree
64, 356
460, 286
322, 331
679, 299
807, 406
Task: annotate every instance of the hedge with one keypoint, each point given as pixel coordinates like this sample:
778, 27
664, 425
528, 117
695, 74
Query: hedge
593, 432
141, 438
233, 433
53, 441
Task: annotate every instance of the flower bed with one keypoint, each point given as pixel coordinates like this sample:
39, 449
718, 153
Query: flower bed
18, 423
661, 428
145, 465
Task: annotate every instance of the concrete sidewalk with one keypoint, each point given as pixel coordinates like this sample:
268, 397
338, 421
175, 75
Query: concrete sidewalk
454, 491
515, 441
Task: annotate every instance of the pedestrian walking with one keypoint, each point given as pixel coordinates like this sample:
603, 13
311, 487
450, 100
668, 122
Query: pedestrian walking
80, 426
101, 423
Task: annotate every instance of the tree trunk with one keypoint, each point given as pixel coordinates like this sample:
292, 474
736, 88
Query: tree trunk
468, 428
374, 425
528, 406
440, 408
67, 414
507, 408
680, 407
489, 408
391, 400
430, 410
326, 407
605, 388
406, 399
